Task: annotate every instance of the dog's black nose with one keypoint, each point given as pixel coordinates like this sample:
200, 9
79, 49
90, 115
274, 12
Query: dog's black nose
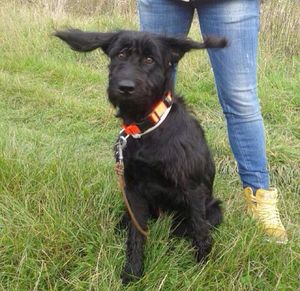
126, 86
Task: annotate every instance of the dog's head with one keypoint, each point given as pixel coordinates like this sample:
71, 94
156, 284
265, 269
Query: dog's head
140, 71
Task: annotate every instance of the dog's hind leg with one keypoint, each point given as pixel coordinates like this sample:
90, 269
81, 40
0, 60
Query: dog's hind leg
214, 213
133, 268
180, 226
200, 228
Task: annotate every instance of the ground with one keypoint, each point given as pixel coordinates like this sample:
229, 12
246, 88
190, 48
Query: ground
59, 200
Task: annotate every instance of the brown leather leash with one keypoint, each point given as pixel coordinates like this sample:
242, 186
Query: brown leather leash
137, 130
119, 169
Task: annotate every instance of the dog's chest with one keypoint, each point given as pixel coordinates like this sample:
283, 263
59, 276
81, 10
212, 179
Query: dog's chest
145, 172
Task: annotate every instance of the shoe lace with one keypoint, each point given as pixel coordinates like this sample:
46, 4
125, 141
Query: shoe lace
270, 213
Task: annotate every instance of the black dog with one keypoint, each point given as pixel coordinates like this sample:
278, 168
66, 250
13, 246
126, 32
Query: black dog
168, 165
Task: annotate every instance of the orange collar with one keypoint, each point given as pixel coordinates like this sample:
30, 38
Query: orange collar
153, 119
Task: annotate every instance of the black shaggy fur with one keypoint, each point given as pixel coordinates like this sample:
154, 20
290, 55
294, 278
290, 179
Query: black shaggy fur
171, 168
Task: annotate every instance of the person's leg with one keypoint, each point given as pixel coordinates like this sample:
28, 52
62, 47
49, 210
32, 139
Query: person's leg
166, 17
235, 77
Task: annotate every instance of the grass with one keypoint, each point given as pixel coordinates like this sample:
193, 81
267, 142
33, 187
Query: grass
59, 199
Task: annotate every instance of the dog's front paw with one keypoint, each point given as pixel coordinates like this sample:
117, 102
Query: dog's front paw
129, 274
126, 278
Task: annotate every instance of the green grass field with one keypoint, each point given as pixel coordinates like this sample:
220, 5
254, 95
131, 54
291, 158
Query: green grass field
59, 200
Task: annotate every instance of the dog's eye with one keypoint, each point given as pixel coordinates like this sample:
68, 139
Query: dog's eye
148, 61
122, 55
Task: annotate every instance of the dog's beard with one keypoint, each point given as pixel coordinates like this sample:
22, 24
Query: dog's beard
132, 108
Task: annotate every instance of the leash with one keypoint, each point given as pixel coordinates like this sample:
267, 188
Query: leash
152, 121
119, 169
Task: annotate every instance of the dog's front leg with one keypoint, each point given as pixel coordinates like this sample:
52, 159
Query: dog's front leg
135, 242
200, 235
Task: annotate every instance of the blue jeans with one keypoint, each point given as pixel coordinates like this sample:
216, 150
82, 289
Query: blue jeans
234, 70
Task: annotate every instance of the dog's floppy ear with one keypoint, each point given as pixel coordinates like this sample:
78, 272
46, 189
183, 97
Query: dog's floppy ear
83, 41
180, 46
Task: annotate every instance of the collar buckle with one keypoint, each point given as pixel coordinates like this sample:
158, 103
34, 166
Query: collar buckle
131, 129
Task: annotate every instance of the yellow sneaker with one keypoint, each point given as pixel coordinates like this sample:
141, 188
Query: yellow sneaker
263, 207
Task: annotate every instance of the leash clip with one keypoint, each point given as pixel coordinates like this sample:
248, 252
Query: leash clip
121, 145
123, 141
